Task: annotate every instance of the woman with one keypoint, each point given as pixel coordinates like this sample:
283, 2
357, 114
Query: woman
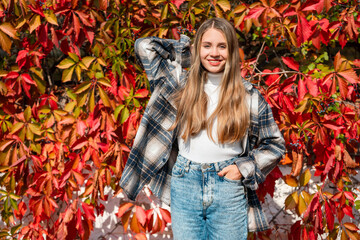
207, 137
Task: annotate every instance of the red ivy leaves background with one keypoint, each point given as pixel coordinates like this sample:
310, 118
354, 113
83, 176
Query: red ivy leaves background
72, 96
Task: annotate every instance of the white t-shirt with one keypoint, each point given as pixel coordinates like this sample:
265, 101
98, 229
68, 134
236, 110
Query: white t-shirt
201, 148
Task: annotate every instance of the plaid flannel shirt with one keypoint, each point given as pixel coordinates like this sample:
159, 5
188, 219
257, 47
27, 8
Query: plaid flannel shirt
155, 148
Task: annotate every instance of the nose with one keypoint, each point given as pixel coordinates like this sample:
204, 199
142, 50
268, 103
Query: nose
214, 51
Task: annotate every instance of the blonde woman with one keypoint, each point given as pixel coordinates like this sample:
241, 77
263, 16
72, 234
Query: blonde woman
207, 138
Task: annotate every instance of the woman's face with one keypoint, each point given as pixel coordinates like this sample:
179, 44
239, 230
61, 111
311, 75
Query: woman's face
213, 50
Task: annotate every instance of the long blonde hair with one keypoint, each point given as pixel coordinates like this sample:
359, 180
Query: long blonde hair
231, 112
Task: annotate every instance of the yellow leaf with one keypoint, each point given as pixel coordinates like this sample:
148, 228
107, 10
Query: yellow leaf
27, 113
305, 177
87, 61
306, 196
50, 17
105, 82
7, 28
81, 98
34, 23
291, 201
35, 129
66, 63
92, 100
164, 12
302, 205
239, 8
5, 42
104, 97
74, 56
78, 72
218, 12
67, 74
29, 134
224, 4
69, 107
16, 127
83, 87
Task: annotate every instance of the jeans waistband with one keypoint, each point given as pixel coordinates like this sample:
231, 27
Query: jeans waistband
217, 166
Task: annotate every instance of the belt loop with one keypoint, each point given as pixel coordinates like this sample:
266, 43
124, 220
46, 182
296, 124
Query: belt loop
217, 168
187, 165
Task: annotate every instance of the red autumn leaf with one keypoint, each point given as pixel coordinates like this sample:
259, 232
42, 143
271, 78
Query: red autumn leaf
141, 93
89, 211
76, 26
177, 2
349, 196
291, 63
301, 90
78, 144
140, 214
165, 214
329, 216
255, 13
303, 30
348, 211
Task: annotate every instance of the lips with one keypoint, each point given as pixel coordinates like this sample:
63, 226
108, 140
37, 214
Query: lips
214, 62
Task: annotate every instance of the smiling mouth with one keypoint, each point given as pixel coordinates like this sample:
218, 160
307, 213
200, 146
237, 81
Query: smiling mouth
214, 62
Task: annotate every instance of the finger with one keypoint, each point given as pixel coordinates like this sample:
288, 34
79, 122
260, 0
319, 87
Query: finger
223, 172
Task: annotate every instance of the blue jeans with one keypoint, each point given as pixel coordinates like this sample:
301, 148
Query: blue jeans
204, 205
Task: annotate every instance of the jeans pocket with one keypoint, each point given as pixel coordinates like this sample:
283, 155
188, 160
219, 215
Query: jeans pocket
177, 171
231, 180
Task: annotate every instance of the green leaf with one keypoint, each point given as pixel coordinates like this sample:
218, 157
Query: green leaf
50, 17
66, 63
67, 74
117, 111
104, 97
13, 204
305, 178
15, 229
124, 115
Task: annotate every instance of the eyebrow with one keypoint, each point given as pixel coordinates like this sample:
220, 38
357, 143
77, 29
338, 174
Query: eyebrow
220, 43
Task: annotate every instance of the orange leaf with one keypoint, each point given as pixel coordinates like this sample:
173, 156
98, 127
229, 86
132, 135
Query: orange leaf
134, 225
123, 208
290, 180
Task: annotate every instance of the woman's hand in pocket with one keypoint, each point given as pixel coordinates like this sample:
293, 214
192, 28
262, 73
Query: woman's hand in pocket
230, 172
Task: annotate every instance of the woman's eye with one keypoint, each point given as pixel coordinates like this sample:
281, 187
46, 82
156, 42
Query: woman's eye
222, 46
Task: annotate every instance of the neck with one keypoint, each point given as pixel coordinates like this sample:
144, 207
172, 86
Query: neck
215, 78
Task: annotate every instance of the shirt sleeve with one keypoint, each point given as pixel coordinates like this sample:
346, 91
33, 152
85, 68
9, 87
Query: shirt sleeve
269, 151
163, 59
